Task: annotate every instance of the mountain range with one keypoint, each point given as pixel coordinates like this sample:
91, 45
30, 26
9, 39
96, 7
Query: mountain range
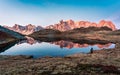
25, 30
61, 26
70, 24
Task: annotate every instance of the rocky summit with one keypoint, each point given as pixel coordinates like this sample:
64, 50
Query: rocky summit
70, 24
25, 30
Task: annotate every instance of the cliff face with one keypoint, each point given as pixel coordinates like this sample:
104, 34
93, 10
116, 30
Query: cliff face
70, 24
25, 30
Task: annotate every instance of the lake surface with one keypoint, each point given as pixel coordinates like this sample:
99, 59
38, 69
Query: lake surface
56, 48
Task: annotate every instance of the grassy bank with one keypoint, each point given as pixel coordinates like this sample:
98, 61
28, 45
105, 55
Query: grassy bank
101, 62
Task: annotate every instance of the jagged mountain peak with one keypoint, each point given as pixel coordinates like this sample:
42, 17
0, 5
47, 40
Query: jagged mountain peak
70, 24
25, 30
61, 26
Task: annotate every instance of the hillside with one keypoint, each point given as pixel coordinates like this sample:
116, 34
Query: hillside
12, 33
88, 35
5, 37
6, 41
8, 36
46, 32
74, 31
88, 30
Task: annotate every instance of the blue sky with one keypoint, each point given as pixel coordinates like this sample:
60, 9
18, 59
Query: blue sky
47, 12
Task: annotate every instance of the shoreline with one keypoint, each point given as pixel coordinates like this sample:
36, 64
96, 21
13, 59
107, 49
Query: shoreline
99, 62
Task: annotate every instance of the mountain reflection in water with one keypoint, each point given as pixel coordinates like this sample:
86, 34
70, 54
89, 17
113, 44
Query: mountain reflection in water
63, 43
54, 48
70, 45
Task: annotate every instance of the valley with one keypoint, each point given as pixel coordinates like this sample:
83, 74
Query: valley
103, 61
59, 37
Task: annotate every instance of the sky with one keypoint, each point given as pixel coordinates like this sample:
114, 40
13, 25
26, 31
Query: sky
47, 12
